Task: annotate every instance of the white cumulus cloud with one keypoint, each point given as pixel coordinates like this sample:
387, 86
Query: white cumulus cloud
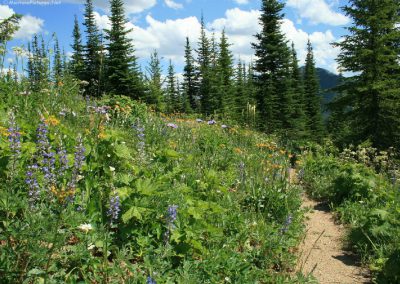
168, 37
173, 5
28, 25
318, 12
242, 2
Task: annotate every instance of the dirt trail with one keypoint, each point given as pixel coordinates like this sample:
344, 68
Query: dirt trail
322, 253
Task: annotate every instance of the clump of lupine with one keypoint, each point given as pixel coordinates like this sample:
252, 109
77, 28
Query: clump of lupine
14, 136
50, 171
14, 140
172, 214
115, 208
287, 224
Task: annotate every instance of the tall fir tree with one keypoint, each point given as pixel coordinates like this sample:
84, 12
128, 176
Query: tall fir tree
239, 102
312, 98
92, 52
189, 78
57, 63
77, 63
298, 114
154, 82
204, 71
171, 93
272, 72
122, 70
225, 73
370, 99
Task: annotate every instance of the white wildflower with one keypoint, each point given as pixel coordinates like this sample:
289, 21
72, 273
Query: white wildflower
85, 227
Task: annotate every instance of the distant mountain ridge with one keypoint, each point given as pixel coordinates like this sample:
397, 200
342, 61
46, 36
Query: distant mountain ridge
327, 81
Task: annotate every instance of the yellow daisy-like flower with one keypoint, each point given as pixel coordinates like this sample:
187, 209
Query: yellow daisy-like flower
52, 120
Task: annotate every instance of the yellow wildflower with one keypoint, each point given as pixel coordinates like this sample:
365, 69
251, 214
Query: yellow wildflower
3, 131
52, 120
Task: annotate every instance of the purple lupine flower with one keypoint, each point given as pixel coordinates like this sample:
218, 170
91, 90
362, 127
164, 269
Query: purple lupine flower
287, 224
172, 214
14, 136
32, 183
100, 109
78, 163
172, 125
115, 207
46, 158
150, 280
211, 122
63, 162
199, 120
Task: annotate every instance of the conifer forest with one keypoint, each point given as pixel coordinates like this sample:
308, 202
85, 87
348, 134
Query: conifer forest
209, 167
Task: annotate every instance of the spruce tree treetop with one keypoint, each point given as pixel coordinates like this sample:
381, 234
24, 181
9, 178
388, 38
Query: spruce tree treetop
92, 49
122, 70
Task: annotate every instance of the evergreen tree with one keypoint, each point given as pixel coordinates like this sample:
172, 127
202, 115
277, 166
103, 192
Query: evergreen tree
92, 52
298, 114
239, 103
312, 96
57, 63
172, 97
370, 99
272, 70
77, 59
154, 81
122, 70
189, 78
204, 71
225, 90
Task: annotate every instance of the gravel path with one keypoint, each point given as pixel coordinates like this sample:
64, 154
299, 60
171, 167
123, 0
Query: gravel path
322, 253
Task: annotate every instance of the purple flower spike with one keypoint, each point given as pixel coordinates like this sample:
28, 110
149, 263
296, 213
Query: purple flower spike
115, 208
211, 122
172, 214
150, 280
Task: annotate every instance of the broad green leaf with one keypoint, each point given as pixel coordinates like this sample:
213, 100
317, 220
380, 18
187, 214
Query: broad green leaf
122, 151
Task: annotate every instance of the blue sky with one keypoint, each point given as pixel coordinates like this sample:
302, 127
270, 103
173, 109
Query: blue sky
164, 24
